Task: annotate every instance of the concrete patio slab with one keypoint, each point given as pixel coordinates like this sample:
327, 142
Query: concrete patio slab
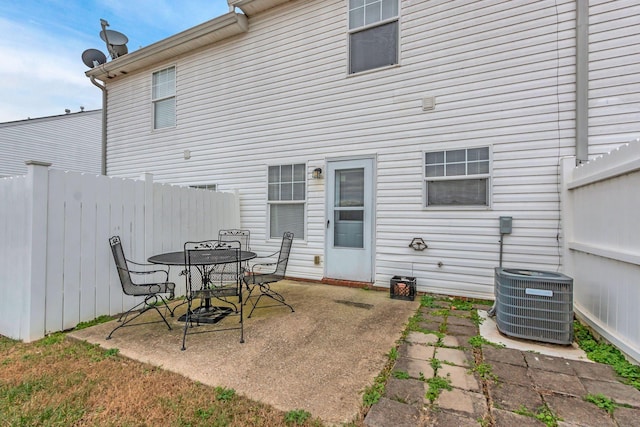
319, 359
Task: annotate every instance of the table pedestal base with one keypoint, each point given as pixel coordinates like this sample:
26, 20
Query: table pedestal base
204, 314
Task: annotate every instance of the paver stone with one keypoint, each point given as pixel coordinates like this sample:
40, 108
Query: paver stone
510, 419
575, 410
557, 382
466, 402
503, 355
513, 397
513, 374
460, 377
548, 363
621, 393
421, 338
452, 355
409, 391
388, 412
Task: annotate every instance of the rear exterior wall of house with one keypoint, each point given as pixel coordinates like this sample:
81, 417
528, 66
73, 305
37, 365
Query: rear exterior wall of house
502, 75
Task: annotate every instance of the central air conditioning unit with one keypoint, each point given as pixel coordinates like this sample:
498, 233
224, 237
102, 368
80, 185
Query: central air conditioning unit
534, 305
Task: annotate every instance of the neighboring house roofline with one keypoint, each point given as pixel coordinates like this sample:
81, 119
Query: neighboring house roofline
214, 30
45, 118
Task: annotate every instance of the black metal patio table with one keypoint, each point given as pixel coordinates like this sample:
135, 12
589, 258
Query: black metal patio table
206, 313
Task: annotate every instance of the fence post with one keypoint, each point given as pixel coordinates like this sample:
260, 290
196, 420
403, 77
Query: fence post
566, 206
148, 214
33, 325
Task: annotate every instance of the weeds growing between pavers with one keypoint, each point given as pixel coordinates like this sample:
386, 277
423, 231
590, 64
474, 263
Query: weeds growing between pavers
602, 352
543, 414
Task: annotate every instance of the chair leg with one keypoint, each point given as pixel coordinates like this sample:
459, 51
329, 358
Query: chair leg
187, 322
266, 291
147, 307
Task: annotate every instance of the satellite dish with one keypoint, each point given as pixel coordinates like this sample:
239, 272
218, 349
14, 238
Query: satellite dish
116, 42
113, 37
93, 58
119, 50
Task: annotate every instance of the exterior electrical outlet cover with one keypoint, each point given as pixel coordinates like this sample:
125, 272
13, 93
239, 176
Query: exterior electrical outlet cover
534, 305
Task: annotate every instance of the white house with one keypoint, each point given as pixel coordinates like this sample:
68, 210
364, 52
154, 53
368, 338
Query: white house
71, 141
428, 119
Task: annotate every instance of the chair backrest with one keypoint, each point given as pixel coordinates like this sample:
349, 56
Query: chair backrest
121, 265
202, 271
235, 234
283, 257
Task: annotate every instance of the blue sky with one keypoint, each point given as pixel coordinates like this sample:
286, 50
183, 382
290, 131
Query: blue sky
41, 43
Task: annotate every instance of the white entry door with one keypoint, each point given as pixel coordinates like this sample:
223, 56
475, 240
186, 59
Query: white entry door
350, 220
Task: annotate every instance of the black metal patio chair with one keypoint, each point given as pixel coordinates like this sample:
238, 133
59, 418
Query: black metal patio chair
262, 280
213, 271
151, 284
237, 235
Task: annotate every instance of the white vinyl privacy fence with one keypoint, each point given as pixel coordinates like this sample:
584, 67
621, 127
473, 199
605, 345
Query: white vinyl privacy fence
601, 207
56, 267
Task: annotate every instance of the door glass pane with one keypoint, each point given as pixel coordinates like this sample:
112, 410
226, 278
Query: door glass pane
349, 187
348, 227
348, 233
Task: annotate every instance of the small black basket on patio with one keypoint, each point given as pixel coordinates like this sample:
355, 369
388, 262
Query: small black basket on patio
403, 288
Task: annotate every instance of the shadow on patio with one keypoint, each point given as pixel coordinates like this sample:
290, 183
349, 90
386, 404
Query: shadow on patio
319, 358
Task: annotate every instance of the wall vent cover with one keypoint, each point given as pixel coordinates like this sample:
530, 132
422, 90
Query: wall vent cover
534, 305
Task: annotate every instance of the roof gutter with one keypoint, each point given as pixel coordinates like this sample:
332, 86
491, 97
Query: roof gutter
103, 162
207, 33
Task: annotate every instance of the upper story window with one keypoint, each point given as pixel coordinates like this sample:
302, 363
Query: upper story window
163, 96
373, 34
457, 177
287, 196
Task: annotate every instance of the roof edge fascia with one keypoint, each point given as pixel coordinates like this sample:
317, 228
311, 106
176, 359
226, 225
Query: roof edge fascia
214, 30
252, 7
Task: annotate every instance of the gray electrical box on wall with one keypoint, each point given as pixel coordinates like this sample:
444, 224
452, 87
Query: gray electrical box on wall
505, 224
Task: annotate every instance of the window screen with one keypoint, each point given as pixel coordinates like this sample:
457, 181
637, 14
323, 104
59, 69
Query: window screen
457, 177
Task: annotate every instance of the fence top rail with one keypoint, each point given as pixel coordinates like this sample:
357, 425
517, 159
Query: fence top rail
623, 160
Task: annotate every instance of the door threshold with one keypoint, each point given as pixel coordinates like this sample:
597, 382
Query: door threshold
347, 283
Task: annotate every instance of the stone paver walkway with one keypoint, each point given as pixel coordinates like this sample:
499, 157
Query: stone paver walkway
440, 379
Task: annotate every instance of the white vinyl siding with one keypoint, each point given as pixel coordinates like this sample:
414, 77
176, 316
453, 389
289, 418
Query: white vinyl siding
502, 75
614, 74
163, 91
70, 142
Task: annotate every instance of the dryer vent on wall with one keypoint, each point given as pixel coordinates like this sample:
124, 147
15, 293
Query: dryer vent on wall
534, 305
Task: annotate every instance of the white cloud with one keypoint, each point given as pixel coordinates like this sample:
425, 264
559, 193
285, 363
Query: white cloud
40, 76
41, 71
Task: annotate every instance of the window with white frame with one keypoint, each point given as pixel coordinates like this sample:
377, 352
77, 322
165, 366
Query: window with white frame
457, 177
287, 199
373, 34
163, 96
